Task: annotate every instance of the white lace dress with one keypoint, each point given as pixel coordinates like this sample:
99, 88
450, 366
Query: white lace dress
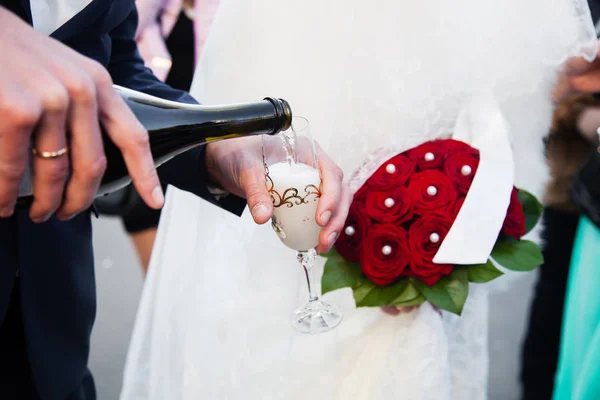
213, 322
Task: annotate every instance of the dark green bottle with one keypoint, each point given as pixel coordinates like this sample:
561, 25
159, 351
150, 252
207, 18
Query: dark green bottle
174, 128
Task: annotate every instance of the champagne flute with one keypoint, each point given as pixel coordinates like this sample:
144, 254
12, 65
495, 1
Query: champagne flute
294, 183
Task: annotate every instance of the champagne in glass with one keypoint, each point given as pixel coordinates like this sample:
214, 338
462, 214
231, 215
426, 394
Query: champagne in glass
294, 183
295, 191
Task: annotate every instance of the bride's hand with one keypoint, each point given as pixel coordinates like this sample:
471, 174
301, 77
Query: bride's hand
237, 165
395, 310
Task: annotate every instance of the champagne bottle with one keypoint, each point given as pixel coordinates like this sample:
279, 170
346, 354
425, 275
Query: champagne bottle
174, 128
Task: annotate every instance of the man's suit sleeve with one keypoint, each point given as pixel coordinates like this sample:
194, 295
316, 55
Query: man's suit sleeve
186, 171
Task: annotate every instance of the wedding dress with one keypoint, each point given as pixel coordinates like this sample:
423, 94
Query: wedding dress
374, 78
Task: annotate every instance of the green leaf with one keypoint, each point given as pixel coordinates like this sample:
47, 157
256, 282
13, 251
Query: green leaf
339, 273
532, 209
522, 255
371, 295
414, 302
410, 296
362, 291
482, 273
450, 293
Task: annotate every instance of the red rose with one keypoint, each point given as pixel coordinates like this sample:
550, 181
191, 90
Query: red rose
429, 155
425, 237
431, 191
361, 193
351, 237
461, 168
514, 223
394, 172
455, 146
394, 206
384, 254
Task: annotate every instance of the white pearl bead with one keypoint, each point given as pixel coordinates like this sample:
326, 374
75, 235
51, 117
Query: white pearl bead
390, 168
386, 250
434, 238
432, 190
466, 170
350, 231
429, 157
389, 202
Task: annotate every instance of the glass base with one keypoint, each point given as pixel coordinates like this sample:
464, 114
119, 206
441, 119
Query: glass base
317, 317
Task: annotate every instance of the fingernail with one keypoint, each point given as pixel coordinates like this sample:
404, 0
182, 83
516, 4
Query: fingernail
325, 217
158, 196
260, 212
332, 238
42, 219
6, 212
66, 217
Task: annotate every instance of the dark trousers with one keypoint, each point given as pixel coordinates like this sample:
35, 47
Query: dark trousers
541, 347
180, 44
16, 380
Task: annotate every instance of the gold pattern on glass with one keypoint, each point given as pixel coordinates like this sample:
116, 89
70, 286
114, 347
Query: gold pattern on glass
291, 196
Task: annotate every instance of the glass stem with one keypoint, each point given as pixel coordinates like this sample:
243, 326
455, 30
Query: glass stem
307, 259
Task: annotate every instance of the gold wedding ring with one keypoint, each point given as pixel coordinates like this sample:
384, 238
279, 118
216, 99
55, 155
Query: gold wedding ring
50, 154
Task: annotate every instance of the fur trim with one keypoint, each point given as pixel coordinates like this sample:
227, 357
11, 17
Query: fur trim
566, 150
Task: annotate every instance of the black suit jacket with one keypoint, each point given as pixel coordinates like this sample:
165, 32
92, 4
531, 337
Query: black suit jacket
54, 260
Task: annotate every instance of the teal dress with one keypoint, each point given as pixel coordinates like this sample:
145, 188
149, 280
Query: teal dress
578, 374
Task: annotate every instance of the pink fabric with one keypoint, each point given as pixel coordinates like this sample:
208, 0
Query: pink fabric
151, 34
151, 45
149, 10
204, 14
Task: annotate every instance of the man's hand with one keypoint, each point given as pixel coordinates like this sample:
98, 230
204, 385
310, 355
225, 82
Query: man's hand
47, 89
237, 165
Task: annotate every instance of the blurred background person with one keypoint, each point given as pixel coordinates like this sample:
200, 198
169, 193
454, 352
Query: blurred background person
170, 36
569, 143
578, 372
571, 138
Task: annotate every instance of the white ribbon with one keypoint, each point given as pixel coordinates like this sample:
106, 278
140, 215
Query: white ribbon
471, 238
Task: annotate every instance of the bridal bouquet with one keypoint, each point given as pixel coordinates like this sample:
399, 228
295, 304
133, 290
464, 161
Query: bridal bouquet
399, 219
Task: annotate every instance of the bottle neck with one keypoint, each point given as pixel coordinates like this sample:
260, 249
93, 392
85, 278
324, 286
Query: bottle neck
283, 113
271, 110
267, 117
